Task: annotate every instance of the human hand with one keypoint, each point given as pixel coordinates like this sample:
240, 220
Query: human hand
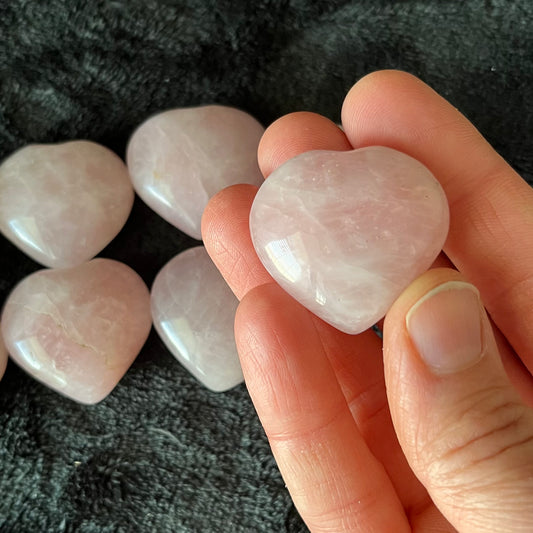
371, 443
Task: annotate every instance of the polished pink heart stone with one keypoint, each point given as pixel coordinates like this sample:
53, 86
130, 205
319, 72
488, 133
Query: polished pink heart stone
346, 232
193, 311
78, 329
180, 158
63, 203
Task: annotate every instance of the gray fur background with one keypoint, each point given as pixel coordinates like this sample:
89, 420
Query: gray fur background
162, 454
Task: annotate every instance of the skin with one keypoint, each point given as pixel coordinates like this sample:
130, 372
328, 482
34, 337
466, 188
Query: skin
366, 436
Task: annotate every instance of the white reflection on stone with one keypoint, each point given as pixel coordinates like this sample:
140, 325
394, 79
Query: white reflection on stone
27, 231
36, 357
280, 253
320, 297
160, 193
180, 337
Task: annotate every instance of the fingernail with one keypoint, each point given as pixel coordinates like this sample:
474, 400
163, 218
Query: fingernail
445, 327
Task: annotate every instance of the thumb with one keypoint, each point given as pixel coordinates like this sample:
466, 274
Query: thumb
463, 428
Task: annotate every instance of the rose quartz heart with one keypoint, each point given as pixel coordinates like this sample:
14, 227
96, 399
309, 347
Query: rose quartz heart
346, 232
180, 158
193, 310
78, 329
62, 204
3, 357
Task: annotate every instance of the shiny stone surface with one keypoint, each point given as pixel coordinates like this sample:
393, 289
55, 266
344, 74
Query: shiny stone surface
346, 232
193, 310
77, 330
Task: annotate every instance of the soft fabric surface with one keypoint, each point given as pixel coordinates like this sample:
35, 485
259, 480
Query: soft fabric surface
161, 453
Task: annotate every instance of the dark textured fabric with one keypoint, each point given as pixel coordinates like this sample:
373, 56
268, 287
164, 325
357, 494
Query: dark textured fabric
161, 453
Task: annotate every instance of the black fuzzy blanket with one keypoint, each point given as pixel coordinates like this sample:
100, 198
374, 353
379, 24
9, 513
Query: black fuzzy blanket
161, 453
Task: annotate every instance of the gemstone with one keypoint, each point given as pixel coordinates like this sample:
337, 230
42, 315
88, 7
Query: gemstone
180, 158
63, 203
193, 311
3, 357
346, 232
78, 329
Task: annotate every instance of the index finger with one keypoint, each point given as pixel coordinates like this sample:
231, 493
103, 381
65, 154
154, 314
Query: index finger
491, 206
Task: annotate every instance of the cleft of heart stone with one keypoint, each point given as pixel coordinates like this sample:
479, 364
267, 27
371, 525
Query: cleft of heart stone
345, 233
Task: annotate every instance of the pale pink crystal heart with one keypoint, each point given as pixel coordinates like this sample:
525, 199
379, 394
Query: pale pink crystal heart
62, 204
3, 357
345, 232
78, 329
193, 311
180, 158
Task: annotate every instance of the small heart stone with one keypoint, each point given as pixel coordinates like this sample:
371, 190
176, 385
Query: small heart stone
62, 204
193, 310
346, 232
180, 158
77, 330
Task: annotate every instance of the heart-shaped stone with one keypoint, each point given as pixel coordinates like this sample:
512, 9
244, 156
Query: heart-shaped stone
345, 232
62, 204
193, 310
78, 329
180, 158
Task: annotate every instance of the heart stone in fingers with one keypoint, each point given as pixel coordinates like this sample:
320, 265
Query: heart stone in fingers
63, 203
346, 232
78, 329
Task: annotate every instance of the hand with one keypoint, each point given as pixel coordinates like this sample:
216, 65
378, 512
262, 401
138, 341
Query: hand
437, 432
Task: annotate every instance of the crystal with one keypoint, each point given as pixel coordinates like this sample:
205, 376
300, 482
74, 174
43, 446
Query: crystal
78, 329
63, 203
180, 158
346, 232
3, 357
193, 311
